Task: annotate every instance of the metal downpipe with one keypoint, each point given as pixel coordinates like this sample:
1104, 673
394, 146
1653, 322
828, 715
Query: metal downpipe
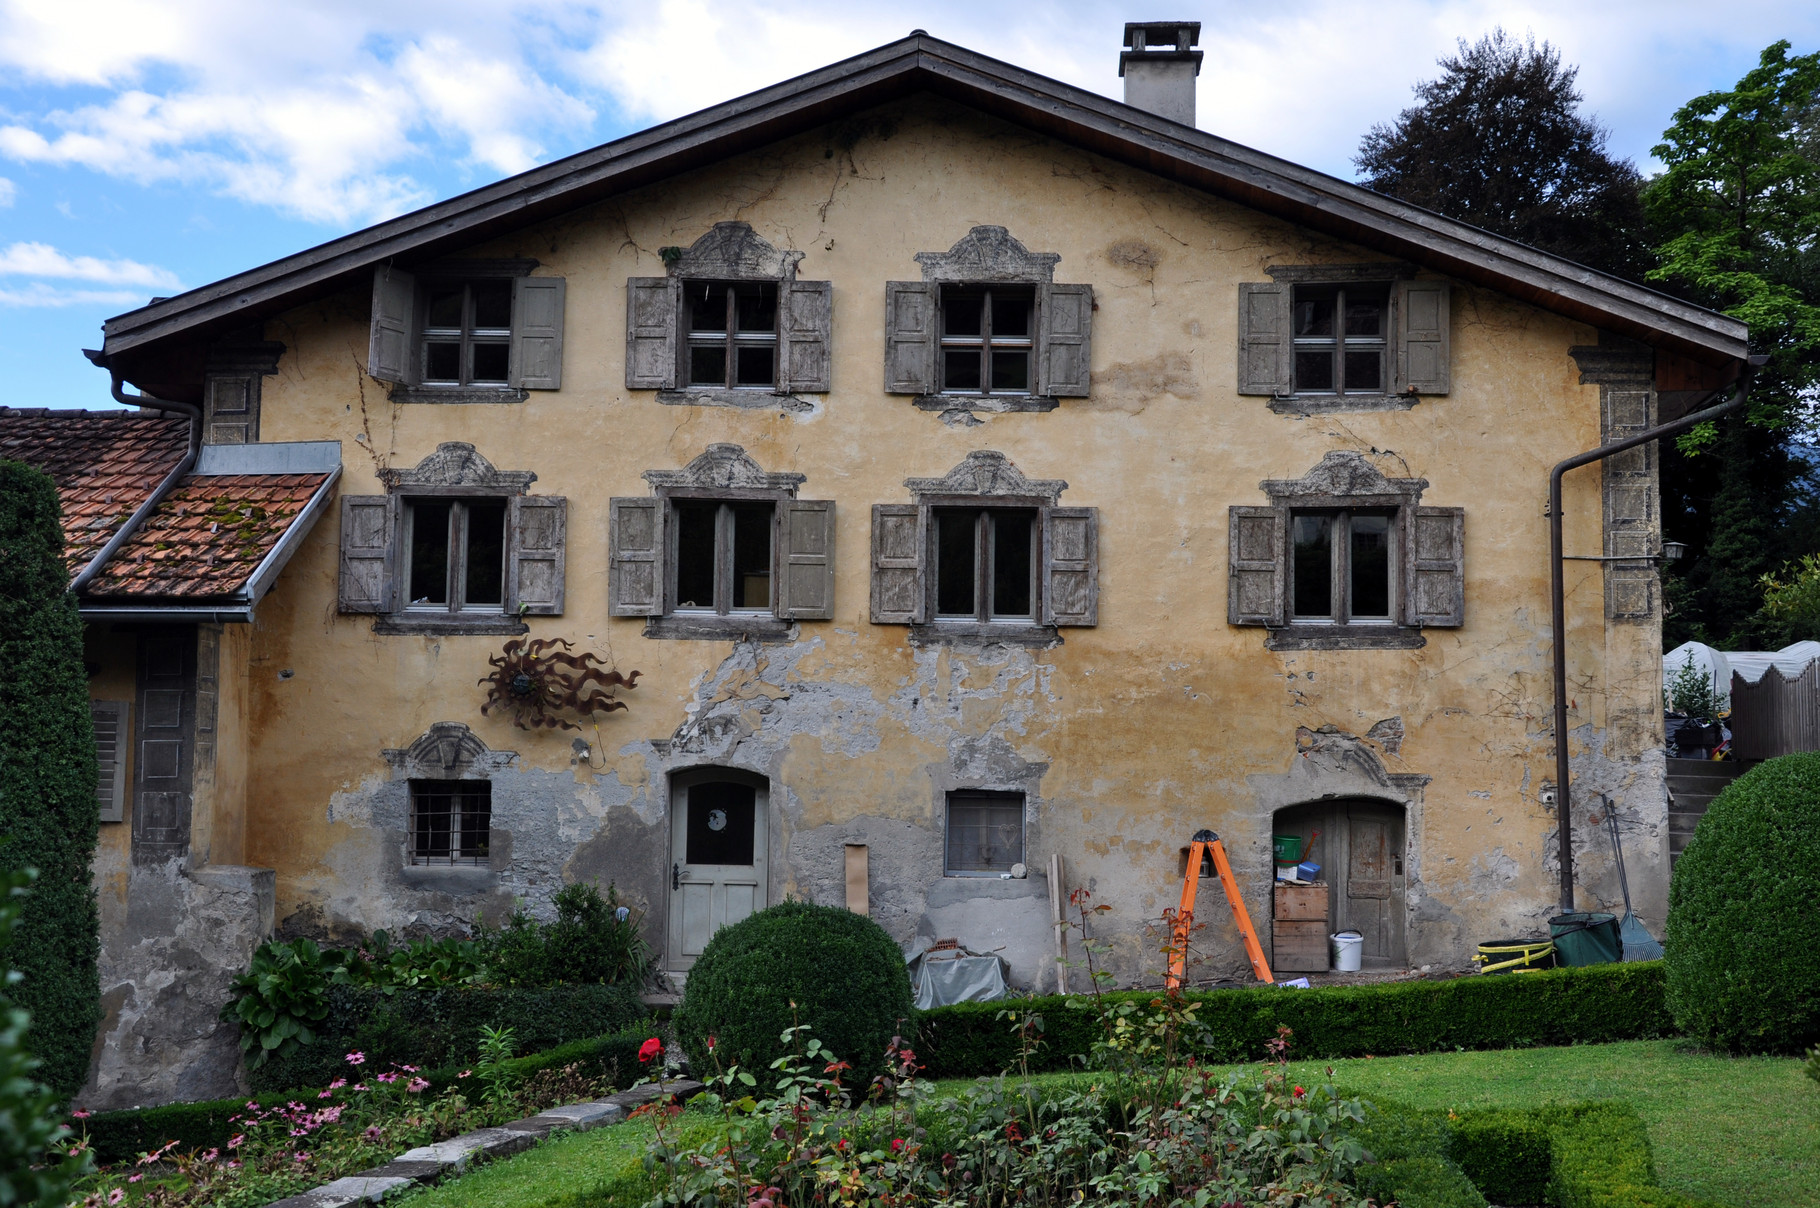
1558, 602
124, 534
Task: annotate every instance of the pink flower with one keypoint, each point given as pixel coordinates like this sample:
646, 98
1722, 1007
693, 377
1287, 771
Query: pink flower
134, 1178
233, 1165
115, 1196
388, 1077
211, 1155
357, 1058
465, 1074
372, 1133
409, 1069
301, 1156
416, 1085
359, 1086
650, 1049
80, 1115
338, 1084
236, 1140
324, 1094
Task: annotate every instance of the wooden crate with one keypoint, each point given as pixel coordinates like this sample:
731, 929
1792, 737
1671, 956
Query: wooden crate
1299, 946
1301, 902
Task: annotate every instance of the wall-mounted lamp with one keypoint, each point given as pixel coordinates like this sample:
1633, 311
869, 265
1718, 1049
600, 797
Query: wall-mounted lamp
1673, 551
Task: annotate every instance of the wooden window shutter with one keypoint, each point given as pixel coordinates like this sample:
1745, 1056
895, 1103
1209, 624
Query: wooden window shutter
535, 570
806, 559
910, 337
112, 741
369, 528
1257, 569
897, 572
653, 311
805, 325
1266, 348
635, 542
391, 344
1437, 569
1424, 347
1065, 341
537, 306
1071, 566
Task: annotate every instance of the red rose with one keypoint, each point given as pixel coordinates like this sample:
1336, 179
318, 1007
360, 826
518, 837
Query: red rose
650, 1049
1299, 1092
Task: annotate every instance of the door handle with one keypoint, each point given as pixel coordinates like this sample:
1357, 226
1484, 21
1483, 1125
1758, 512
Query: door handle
675, 876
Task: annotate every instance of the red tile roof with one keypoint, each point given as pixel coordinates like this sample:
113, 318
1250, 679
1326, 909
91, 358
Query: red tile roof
203, 541
105, 464
207, 537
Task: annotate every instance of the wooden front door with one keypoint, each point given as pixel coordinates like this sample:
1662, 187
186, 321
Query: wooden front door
1360, 851
718, 829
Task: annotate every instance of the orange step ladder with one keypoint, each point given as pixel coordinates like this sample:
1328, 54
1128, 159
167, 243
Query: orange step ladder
1205, 844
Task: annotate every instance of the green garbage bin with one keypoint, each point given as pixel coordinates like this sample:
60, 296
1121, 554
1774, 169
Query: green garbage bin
1586, 937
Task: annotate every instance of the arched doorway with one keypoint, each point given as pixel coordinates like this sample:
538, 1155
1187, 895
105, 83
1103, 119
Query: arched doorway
1360, 851
719, 827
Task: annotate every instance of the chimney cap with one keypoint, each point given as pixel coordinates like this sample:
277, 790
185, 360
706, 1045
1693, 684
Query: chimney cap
1161, 41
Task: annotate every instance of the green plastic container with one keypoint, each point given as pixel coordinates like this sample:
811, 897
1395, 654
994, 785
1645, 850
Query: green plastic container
1288, 849
1586, 938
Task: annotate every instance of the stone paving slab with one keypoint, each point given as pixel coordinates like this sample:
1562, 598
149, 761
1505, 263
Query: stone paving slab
445, 1159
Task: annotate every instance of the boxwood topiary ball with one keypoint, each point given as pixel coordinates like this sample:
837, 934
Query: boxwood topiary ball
844, 973
1743, 926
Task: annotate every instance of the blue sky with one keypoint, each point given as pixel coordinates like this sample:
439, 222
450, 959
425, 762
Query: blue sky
153, 146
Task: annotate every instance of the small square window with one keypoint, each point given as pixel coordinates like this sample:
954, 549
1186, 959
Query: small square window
467, 333
985, 833
450, 820
457, 555
1340, 338
987, 339
732, 334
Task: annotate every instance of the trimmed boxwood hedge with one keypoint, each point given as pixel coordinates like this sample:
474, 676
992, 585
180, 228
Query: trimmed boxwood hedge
1556, 1006
1743, 935
442, 1026
122, 1135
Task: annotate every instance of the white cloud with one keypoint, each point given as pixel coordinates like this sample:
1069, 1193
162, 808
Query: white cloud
38, 294
43, 260
9, 192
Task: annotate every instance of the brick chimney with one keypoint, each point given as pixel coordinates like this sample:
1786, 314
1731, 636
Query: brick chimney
1159, 64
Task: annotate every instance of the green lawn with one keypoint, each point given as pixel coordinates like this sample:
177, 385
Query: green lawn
1740, 1131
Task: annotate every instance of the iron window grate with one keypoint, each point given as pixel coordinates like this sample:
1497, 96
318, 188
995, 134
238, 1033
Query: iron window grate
450, 820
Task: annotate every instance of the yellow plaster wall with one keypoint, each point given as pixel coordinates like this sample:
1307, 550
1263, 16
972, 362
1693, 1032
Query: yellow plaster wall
1161, 720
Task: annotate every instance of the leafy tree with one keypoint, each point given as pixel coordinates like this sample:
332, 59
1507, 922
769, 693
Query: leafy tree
48, 812
1736, 217
1791, 598
31, 1124
1498, 140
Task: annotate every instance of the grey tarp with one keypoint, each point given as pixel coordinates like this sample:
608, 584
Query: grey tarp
942, 980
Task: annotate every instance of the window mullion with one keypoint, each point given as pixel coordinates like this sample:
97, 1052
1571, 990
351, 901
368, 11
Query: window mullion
982, 562
451, 579
1342, 561
732, 313
1339, 341
465, 371
723, 559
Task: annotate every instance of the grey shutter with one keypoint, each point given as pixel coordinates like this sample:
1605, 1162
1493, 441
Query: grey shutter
535, 567
1256, 570
805, 325
1071, 566
537, 306
1424, 347
1266, 361
112, 741
897, 579
806, 560
1437, 569
391, 342
369, 526
1065, 341
653, 310
635, 543
910, 337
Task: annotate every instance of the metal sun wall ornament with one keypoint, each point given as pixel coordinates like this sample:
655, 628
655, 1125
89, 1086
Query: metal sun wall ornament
535, 681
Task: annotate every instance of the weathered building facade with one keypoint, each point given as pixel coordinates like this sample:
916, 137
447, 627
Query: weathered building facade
975, 470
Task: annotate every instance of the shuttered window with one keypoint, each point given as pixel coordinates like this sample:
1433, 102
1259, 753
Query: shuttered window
703, 336
985, 341
112, 741
456, 557
1306, 337
499, 330
705, 557
955, 563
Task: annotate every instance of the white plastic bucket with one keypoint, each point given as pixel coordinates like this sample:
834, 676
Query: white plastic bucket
1348, 948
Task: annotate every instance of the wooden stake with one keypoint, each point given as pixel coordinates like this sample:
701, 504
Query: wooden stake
1057, 900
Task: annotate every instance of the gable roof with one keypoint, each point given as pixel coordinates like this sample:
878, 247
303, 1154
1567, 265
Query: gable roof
218, 539
159, 347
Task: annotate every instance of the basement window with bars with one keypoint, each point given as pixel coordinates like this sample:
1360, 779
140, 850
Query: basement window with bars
985, 833
450, 820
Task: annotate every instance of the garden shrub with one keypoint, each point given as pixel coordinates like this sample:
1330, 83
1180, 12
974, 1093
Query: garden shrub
594, 939
49, 816
440, 1027
1410, 1164
30, 1125
1504, 1153
845, 976
1557, 1006
1743, 935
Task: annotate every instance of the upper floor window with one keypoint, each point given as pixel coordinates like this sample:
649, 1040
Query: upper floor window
1342, 567
453, 546
987, 339
1343, 337
985, 563
720, 548
466, 331
732, 333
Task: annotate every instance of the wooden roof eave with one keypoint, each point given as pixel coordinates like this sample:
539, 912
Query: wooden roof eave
1202, 161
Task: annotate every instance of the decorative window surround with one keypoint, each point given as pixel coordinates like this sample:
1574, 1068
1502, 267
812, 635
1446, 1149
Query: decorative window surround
1630, 500
448, 750
373, 560
1428, 567
988, 255
656, 345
